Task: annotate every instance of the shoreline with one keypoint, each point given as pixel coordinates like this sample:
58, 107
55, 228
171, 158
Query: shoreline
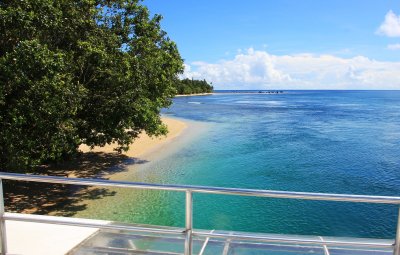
100, 162
144, 145
149, 168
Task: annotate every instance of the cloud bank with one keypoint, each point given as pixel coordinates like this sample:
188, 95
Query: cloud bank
390, 26
395, 46
256, 69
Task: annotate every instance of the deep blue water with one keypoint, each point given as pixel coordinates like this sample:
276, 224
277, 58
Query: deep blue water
315, 141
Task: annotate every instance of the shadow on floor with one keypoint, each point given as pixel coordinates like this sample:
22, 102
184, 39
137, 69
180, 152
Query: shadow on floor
65, 200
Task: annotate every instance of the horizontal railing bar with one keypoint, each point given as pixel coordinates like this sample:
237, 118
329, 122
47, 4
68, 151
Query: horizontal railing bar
204, 189
178, 238
289, 240
88, 223
347, 249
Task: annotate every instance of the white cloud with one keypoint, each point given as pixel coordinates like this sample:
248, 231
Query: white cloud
390, 26
394, 46
261, 70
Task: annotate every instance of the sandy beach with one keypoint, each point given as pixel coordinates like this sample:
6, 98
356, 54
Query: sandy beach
99, 162
144, 144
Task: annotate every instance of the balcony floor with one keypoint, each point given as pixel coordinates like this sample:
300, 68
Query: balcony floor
31, 238
122, 242
53, 239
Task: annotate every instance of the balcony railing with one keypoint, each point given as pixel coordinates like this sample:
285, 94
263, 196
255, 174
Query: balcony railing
188, 232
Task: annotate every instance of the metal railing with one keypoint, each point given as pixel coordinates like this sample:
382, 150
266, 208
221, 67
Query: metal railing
188, 231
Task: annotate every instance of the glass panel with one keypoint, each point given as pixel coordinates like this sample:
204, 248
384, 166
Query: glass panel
128, 242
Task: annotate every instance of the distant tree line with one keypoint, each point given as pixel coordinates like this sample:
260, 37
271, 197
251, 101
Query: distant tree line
190, 86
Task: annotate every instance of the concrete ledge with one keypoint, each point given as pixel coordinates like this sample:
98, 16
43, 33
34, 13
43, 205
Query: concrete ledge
31, 238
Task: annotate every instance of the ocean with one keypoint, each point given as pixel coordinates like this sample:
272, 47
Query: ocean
313, 141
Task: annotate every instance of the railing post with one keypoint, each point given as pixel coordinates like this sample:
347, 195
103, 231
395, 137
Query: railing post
396, 250
188, 222
3, 238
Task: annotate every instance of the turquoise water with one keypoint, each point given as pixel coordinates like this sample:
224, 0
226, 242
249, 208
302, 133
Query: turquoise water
316, 141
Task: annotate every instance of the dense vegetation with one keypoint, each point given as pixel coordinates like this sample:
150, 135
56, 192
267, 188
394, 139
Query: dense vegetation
187, 86
80, 71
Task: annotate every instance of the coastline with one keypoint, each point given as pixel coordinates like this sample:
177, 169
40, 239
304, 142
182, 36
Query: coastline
107, 203
144, 145
99, 162
102, 162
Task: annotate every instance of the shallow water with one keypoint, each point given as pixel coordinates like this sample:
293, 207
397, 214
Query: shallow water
317, 141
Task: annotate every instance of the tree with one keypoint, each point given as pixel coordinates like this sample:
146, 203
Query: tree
187, 86
80, 71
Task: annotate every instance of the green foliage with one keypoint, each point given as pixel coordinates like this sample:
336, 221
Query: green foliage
187, 86
38, 105
80, 71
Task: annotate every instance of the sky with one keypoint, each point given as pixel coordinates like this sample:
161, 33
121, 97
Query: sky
286, 44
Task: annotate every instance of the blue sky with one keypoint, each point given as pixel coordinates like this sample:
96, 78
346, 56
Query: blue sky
264, 43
